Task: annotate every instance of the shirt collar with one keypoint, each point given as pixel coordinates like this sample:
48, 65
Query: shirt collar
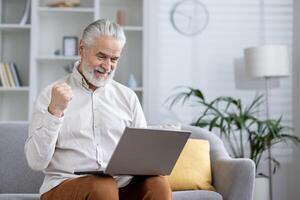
76, 74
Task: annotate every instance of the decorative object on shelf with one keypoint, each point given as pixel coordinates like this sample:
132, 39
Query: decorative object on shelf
245, 134
267, 62
189, 17
26, 13
121, 17
69, 67
132, 83
70, 46
63, 3
57, 52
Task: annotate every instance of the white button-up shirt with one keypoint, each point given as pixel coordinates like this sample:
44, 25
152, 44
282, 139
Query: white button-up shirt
87, 134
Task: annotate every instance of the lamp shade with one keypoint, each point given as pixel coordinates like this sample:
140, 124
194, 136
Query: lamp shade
266, 61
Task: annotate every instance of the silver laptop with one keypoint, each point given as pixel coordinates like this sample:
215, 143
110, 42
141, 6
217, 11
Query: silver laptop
144, 152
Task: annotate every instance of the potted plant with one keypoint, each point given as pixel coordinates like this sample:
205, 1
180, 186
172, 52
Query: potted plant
245, 135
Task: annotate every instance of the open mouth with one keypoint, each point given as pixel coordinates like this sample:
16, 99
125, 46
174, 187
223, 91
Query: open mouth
101, 71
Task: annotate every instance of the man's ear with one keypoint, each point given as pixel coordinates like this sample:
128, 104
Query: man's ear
81, 48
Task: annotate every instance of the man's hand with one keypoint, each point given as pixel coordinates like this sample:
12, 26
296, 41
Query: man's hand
60, 98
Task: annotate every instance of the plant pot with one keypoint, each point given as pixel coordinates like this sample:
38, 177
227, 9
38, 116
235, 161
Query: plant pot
261, 188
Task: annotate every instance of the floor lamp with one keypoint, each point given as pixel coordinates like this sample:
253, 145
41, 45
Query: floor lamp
267, 62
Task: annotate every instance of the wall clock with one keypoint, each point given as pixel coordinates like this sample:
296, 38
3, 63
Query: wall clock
189, 17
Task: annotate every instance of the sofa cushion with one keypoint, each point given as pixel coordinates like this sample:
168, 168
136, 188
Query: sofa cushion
192, 169
196, 195
16, 176
19, 196
179, 195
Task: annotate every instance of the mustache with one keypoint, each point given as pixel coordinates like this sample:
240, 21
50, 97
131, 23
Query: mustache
103, 70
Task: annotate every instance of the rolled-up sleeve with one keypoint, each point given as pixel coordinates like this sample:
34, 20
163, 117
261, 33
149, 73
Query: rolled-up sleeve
43, 133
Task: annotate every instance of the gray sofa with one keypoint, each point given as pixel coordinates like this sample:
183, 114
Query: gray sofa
232, 178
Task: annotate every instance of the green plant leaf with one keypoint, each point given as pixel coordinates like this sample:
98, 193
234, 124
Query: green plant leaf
236, 122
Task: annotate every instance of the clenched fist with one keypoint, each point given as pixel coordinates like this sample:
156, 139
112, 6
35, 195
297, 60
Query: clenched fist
61, 96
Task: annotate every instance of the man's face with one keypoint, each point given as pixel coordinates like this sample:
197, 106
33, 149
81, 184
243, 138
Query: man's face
99, 61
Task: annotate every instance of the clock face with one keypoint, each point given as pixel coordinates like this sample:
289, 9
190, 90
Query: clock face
189, 17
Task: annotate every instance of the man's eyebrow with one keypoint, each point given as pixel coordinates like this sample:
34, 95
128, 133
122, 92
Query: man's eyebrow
103, 54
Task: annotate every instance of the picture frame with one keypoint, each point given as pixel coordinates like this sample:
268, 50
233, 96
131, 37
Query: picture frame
70, 46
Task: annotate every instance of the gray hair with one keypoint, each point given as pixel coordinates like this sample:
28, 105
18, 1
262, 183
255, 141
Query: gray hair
103, 27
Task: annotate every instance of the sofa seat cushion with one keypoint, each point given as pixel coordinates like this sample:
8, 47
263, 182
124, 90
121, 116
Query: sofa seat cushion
19, 196
179, 195
196, 195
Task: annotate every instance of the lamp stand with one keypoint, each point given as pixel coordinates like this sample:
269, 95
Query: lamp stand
267, 79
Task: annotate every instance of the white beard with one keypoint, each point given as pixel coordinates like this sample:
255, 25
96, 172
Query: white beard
89, 76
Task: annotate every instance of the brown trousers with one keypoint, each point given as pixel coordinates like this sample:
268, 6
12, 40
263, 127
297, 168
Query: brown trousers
105, 188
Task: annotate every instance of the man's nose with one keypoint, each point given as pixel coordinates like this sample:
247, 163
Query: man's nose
107, 64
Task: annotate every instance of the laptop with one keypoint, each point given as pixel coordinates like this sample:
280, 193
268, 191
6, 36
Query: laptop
142, 151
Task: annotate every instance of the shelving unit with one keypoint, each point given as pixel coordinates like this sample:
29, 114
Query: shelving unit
14, 47
32, 46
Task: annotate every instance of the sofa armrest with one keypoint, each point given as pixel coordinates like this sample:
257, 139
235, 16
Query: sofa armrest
234, 178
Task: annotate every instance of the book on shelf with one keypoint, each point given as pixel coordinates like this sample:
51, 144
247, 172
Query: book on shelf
3, 75
9, 75
15, 73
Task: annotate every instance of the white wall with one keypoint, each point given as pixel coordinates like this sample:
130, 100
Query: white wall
207, 62
293, 169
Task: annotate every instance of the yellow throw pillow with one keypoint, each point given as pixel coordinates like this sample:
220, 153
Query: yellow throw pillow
192, 170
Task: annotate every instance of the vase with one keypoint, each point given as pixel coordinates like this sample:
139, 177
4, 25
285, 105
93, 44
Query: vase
132, 83
261, 189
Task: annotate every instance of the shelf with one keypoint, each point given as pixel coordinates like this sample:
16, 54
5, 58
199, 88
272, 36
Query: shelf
14, 89
138, 89
14, 27
69, 10
58, 58
14, 122
133, 28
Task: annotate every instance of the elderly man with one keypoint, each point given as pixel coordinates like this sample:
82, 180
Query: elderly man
78, 120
